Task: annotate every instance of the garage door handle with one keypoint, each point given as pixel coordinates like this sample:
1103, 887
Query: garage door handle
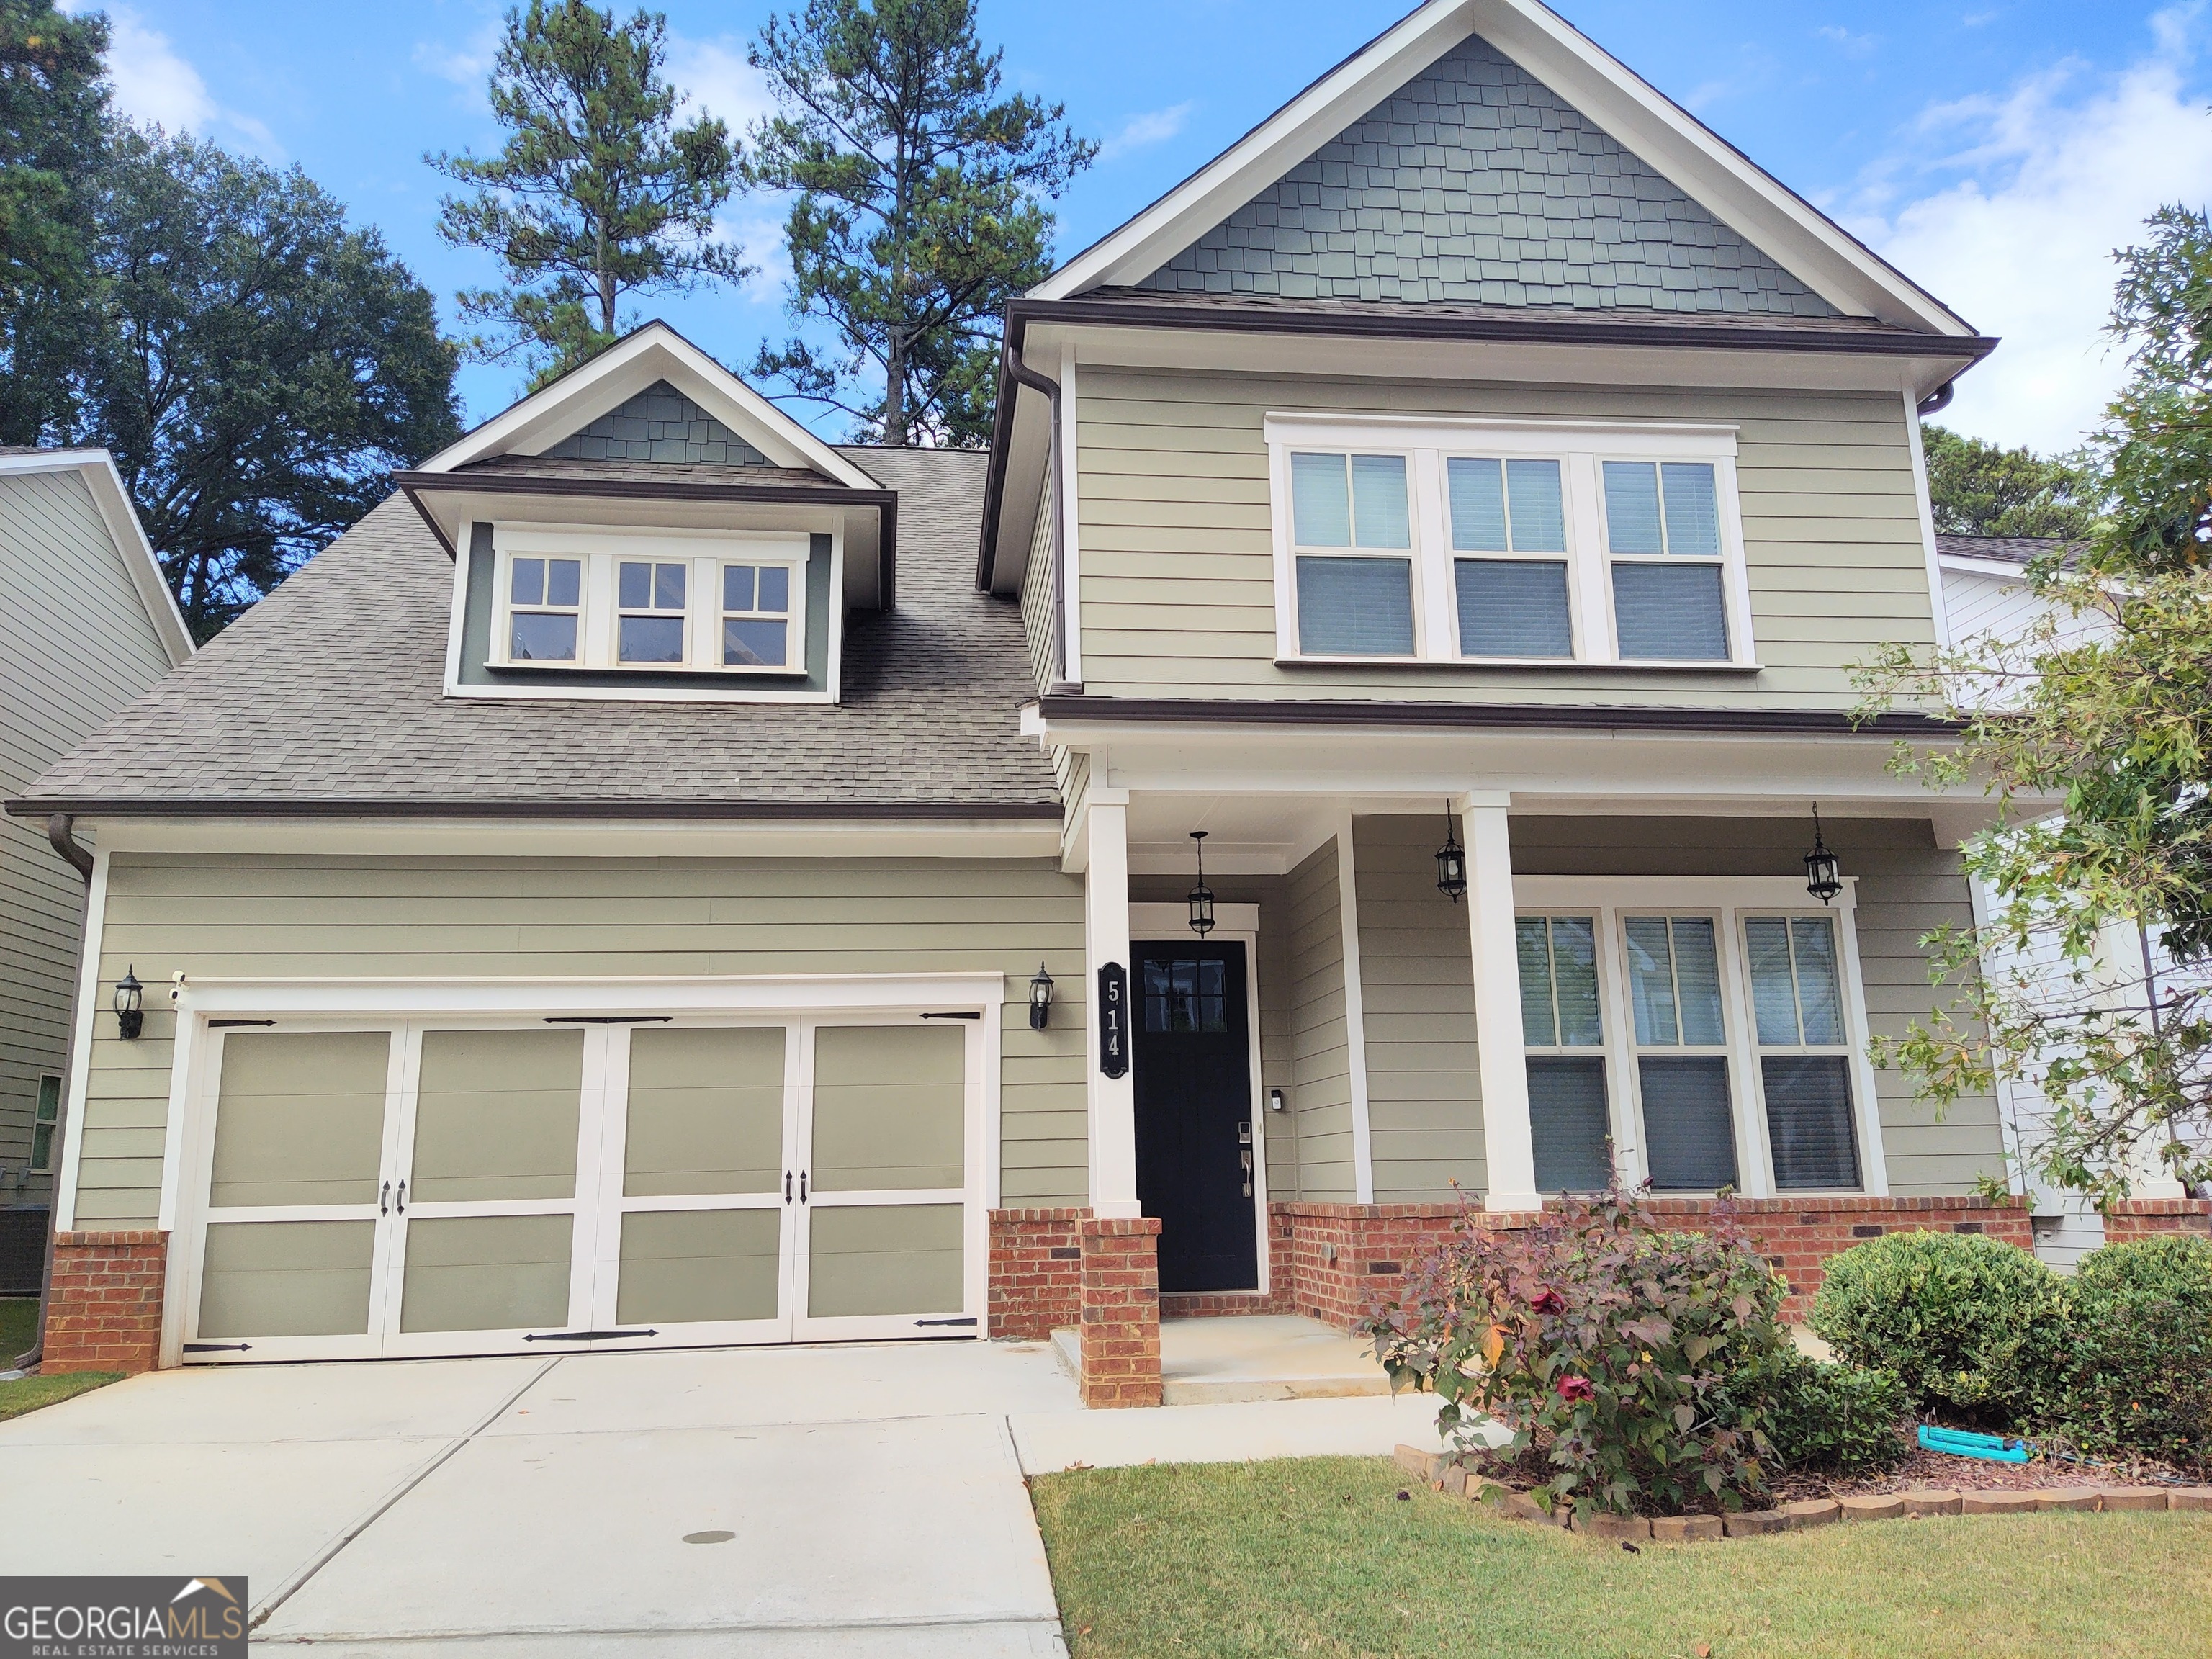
403, 1198
383, 1200
786, 1186
802, 1186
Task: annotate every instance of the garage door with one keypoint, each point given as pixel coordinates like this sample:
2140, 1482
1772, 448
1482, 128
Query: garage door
420, 1188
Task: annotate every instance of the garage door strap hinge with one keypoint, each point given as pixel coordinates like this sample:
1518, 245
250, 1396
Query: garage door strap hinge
218, 1347
963, 1013
945, 1322
607, 1019
582, 1336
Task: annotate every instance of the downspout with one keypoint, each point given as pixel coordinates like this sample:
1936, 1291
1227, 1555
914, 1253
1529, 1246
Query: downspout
1938, 400
61, 832
1022, 374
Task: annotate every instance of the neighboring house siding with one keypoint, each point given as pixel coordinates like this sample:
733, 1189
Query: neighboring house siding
1475, 182
1907, 886
341, 917
1321, 1055
1980, 605
75, 644
1177, 584
1417, 989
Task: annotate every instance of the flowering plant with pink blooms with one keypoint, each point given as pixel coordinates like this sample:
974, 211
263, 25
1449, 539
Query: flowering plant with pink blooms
1600, 1344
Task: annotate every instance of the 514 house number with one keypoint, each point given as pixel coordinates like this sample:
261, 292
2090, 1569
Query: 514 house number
1112, 1020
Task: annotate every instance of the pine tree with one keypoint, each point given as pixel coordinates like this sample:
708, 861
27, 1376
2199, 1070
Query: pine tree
920, 208
598, 193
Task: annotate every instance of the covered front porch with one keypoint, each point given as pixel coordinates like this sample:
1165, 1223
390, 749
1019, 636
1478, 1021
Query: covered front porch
1353, 1060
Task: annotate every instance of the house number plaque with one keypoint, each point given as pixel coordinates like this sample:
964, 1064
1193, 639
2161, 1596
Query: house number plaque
1112, 1020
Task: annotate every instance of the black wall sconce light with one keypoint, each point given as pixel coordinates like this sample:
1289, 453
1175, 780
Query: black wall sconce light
1451, 862
1040, 998
1201, 896
130, 1005
1821, 880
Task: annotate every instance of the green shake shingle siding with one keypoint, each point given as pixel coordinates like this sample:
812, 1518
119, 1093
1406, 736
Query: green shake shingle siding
1177, 587
1320, 1055
76, 646
341, 917
1417, 988
1907, 887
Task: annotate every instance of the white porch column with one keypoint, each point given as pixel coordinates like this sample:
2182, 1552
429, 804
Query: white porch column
1113, 1100
1508, 1149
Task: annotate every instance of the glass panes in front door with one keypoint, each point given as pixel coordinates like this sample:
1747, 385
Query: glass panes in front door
420, 1188
1564, 1032
1682, 1051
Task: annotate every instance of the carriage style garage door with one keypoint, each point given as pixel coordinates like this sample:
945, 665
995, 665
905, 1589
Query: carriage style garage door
417, 1187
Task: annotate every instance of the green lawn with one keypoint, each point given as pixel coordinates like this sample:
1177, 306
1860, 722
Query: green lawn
18, 1328
1320, 1556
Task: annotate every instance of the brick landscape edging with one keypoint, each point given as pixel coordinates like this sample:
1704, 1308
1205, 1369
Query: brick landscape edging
105, 1312
1432, 1468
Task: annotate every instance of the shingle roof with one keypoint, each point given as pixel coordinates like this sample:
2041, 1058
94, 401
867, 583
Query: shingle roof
328, 695
2012, 549
630, 472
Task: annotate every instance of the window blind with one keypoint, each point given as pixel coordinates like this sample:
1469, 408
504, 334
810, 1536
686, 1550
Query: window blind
1513, 608
1670, 611
1568, 1123
1355, 607
1808, 1121
1689, 1142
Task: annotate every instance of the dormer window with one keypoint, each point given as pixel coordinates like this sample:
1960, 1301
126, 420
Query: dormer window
546, 599
651, 602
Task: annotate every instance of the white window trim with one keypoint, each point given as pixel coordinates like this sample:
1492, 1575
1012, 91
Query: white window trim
1728, 899
1579, 446
703, 552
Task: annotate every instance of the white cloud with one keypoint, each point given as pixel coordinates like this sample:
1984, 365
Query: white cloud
2032, 191
154, 84
1153, 127
468, 64
1856, 45
714, 77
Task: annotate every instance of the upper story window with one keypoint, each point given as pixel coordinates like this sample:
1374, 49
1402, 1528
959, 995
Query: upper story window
1508, 542
665, 603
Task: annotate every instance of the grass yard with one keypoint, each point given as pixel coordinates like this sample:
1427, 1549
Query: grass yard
1319, 1556
18, 1328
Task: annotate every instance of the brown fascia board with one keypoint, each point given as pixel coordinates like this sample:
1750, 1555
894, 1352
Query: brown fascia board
414, 485
1401, 326
1539, 717
735, 811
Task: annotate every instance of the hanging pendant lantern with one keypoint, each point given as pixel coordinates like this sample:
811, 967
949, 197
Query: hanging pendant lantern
1821, 879
1201, 896
1451, 862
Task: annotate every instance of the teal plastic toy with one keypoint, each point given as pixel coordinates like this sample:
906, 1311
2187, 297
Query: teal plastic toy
1990, 1448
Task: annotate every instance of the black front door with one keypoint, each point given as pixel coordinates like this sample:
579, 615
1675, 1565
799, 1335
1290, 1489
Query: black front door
1193, 1087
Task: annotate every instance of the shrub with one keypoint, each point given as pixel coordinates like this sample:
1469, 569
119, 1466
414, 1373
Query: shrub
1602, 1344
1828, 1415
1967, 1324
2137, 1374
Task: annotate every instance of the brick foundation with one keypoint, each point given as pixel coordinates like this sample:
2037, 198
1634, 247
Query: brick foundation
1036, 1271
1345, 1258
1120, 1312
2151, 1218
105, 1311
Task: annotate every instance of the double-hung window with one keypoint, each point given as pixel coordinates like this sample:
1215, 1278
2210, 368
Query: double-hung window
1682, 1051
1569, 1121
1663, 531
1804, 1058
47, 1116
1508, 542
662, 602
1352, 528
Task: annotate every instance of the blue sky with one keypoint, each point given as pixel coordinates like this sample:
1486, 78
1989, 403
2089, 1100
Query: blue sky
1997, 149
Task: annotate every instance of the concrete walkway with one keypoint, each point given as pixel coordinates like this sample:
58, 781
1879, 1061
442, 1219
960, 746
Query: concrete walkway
859, 1501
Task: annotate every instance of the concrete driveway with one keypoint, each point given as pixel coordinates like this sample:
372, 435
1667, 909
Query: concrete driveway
858, 1501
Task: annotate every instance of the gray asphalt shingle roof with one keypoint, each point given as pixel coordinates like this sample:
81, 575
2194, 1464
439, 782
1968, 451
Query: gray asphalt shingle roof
329, 694
2013, 549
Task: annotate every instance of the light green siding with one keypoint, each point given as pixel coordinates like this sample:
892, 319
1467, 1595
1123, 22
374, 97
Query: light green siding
1036, 590
1907, 886
1320, 1052
345, 917
1417, 996
75, 644
1177, 585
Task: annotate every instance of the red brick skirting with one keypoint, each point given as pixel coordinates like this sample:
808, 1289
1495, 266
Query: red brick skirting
1120, 1312
1345, 1258
105, 1314
2152, 1218
1036, 1271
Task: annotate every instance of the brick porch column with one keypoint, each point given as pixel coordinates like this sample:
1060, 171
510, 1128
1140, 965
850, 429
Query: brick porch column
1121, 1312
105, 1311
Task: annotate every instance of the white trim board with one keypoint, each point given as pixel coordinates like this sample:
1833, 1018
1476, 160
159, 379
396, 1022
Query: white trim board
1713, 173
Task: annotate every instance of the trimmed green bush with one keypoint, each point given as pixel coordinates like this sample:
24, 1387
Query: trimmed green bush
1832, 1415
2137, 1374
1970, 1325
